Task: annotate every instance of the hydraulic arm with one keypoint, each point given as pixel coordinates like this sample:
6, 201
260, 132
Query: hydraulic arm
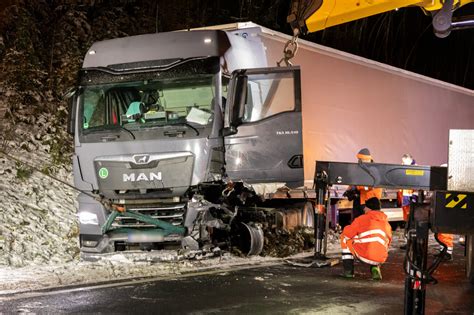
448, 212
316, 15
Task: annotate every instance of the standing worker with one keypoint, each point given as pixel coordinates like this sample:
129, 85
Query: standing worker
367, 239
405, 195
360, 194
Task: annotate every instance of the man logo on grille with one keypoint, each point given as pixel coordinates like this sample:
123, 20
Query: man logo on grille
141, 158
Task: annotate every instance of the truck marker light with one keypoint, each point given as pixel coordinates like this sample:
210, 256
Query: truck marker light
207, 40
103, 173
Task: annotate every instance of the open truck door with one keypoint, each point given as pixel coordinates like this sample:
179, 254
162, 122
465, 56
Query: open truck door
263, 134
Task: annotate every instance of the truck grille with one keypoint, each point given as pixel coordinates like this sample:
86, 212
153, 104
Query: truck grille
171, 213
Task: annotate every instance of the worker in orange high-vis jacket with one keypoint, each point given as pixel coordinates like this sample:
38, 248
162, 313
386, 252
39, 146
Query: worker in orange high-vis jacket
360, 194
367, 239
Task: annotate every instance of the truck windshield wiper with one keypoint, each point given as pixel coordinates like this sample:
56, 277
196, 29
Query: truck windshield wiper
128, 130
108, 129
187, 125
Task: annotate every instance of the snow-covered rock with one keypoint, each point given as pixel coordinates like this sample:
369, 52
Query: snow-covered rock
38, 222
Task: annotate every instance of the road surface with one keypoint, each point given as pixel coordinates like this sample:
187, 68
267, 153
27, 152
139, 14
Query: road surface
269, 289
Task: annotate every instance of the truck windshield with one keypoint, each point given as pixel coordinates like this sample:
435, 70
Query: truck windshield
150, 100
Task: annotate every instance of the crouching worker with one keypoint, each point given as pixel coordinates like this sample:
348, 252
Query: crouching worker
367, 239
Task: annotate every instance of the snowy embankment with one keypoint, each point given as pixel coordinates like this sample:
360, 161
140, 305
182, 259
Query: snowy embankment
37, 216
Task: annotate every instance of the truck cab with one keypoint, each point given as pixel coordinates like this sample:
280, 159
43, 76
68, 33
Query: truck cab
165, 123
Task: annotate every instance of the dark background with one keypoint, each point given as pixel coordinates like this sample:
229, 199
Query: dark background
401, 38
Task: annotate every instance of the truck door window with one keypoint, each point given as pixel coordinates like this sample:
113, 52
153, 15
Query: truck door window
268, 95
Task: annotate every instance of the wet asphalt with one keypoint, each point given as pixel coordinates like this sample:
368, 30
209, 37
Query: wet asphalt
278, 289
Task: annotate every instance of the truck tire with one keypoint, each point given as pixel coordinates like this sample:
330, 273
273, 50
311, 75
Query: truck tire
470, 257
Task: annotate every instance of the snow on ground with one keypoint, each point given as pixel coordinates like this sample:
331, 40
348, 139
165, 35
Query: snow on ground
113, 267
123, 265
139, 264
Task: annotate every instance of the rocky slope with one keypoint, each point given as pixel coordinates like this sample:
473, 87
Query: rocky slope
42, 44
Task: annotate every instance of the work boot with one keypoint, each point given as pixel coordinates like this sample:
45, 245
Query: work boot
376, 273
348, 265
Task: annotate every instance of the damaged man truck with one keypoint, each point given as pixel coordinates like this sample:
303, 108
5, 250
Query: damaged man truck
170, 141
184, 137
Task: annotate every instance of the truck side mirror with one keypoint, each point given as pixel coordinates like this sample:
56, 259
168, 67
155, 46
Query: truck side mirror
237, 97
70, 97
240, 98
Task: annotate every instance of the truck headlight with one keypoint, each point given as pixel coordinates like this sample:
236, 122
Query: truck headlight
88, 218
89, 243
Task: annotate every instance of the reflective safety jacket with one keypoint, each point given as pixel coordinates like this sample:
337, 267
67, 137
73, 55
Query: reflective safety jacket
368, 237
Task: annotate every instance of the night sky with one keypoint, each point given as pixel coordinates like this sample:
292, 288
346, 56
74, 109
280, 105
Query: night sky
405, 39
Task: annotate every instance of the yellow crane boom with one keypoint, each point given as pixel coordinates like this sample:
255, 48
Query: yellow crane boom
315, 15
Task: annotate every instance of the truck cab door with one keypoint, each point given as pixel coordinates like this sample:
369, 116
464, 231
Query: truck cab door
263, 138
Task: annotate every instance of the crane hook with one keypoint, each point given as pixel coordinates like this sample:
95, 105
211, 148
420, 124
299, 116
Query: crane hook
289, 51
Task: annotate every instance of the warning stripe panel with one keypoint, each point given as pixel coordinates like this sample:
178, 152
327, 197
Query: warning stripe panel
456, 201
